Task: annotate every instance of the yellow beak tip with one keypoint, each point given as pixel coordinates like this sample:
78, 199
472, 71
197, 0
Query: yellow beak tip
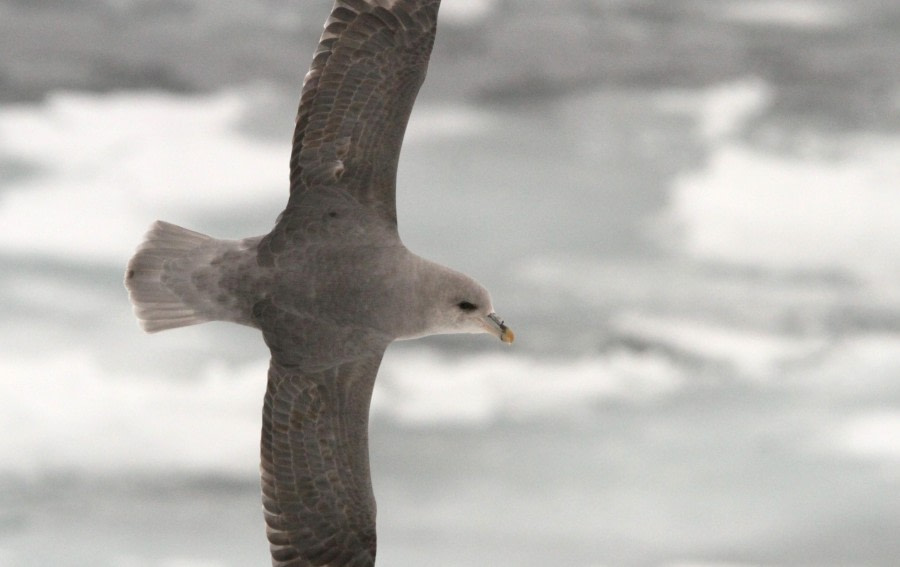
508, 336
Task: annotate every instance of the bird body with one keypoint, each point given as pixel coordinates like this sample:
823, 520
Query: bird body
330, 287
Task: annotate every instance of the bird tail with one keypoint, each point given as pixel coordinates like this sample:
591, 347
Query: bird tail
158, 278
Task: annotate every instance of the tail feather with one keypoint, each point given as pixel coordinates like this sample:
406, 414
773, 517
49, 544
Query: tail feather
153, 275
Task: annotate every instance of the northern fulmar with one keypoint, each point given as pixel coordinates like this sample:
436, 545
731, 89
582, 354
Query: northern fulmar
330, 287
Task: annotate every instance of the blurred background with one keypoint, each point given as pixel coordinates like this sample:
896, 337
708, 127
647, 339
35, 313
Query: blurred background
688, 210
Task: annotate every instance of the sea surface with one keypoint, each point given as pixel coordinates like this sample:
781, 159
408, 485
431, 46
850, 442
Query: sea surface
688, 211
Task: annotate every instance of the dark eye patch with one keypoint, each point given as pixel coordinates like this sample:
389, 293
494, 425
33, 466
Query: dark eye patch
466, 306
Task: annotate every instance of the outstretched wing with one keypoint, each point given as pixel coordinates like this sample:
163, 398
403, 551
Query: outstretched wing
357, 98
317, 493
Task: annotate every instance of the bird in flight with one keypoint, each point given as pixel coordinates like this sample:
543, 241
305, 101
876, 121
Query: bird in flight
330, 287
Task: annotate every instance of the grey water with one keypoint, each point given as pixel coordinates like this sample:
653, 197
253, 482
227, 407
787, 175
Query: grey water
683, 208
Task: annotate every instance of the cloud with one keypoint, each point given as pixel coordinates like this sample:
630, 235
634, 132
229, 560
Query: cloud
110, 165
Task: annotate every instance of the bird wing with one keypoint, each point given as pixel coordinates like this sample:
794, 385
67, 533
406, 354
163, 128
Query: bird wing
317, 492
357, 98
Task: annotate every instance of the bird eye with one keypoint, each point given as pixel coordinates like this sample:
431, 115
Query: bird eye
466, 306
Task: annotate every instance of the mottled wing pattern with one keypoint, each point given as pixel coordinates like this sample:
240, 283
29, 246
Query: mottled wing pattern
317, 493
356, 101
357, 98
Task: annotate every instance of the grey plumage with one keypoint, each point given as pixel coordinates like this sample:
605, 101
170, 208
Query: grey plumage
330, 287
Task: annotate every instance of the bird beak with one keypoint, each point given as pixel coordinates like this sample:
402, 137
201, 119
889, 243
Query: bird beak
494, 325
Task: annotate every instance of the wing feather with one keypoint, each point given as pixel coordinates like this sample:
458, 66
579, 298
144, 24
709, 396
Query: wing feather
354, 106
357, 98
317, 492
